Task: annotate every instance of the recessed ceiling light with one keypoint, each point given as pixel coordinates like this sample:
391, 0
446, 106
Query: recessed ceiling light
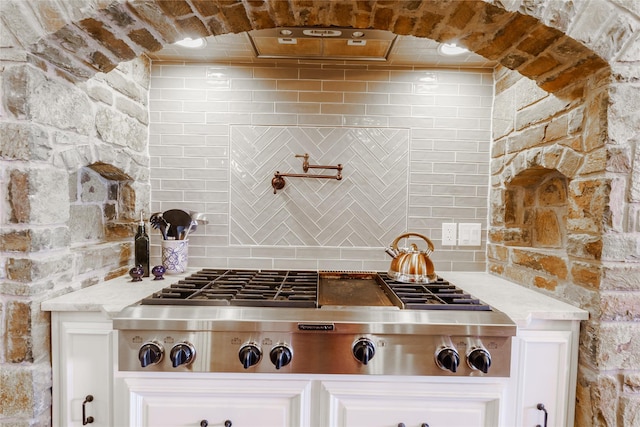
451, 49
286, 32
357, 34
192, 43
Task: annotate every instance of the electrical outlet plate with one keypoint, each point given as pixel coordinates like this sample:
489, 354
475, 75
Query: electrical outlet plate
469, 234
449, 234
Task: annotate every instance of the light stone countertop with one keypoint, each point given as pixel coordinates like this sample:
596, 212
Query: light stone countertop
111, 296
522, 305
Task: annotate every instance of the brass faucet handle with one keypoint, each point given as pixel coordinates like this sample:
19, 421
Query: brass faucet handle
305, 163
277, 182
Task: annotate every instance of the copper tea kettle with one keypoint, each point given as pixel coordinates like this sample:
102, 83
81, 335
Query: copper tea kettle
411, 265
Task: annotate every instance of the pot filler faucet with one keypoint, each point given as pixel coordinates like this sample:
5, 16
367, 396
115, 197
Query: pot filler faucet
278, 180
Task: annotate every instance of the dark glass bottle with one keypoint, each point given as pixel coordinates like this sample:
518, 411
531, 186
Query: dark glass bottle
142, 248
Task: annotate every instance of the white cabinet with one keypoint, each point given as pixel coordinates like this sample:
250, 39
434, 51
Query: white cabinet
271, 400
545, 369
413, 404
176, 401
83, 365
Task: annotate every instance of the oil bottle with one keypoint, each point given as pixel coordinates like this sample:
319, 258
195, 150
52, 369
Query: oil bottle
141, 244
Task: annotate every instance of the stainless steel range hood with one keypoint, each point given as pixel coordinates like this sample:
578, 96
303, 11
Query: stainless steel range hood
322, 43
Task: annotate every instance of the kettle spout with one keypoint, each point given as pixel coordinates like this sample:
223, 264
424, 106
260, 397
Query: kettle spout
393, 253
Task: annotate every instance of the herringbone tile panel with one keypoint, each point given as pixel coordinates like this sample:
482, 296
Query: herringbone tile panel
368, 207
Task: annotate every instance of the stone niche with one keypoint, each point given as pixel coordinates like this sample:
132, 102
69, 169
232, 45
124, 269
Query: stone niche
535, 233
102, 204
535, 210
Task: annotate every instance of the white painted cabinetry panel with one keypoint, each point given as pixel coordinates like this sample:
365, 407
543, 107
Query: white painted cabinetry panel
83, 365
544, 366
373, 404
192, 402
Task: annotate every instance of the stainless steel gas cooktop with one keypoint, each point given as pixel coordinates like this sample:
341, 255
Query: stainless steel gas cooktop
283, 321
311, 289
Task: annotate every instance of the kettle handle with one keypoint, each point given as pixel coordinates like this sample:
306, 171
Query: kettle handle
394, 245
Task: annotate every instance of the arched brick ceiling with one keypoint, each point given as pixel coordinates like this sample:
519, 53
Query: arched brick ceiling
123, 31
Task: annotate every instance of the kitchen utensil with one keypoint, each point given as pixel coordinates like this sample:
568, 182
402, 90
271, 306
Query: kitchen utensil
177, 218
196, 218
158, 222
411, 265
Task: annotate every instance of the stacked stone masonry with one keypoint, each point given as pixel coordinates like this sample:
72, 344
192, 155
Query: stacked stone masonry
75, 80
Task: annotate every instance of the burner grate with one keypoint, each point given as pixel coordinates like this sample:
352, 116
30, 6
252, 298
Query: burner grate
282, 288
438, 295
255, 288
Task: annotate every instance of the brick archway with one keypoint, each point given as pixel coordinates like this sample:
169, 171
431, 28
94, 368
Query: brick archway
102, 38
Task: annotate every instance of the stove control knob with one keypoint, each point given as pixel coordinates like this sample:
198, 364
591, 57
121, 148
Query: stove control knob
479, 359
182, 354
249, 355
448, 359
364, 350
150, 353
280, 355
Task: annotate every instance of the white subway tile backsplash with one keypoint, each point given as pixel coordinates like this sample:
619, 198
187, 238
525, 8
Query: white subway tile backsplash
204, 106
444, 115
166, 82
365, 121
298, 108
319, 120
391, 87
433, 111
386, 110
253, 84
182, 140
344, 87
227, 118
182, 162
182, 184
178, 70
179, 117
182, 94
419, 100
275, 96
199, 129
272, 119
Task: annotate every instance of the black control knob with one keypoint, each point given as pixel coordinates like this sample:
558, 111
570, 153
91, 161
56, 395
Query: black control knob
280, 355
479, 359
364, 350
448, 359
182, 354
150, 354
249, 355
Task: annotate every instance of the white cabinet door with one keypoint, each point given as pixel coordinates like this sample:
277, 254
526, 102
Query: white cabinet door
387, 404
83, 365
177, 402
544, 376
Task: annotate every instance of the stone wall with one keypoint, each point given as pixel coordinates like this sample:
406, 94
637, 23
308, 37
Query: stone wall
75, 176
553, 146
590, 137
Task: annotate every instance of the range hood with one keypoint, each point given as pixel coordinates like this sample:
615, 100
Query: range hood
322, 43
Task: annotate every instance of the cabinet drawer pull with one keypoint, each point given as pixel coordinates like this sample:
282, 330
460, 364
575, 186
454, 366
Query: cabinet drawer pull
205, 423
540, 407
86, 420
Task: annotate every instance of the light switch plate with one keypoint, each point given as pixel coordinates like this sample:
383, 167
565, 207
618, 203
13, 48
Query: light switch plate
449, 234
469, 234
